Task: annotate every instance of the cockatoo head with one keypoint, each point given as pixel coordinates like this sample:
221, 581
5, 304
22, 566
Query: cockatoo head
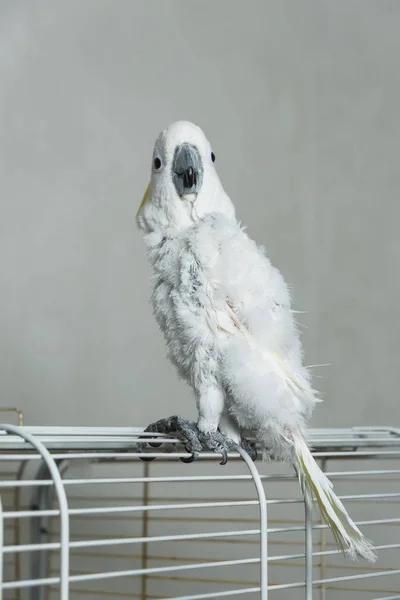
184, 184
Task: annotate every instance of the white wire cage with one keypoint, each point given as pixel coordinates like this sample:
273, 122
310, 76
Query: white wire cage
83, 517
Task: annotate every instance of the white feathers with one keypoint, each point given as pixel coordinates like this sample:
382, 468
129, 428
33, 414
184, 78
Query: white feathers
313, 481
163, 208
227, 318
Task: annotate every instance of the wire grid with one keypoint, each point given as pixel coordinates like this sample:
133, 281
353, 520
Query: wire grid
165, 529
11, 530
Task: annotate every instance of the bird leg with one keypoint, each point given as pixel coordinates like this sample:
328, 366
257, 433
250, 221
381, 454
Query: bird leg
196, 440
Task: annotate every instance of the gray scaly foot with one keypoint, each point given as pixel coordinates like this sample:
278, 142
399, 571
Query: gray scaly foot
196, 440
249, 447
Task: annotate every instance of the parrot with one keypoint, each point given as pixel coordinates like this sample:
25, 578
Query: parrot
230, 330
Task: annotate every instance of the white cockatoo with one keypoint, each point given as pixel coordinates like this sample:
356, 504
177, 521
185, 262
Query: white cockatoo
226, 315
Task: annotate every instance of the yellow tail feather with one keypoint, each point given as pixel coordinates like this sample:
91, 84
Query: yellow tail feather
313, 481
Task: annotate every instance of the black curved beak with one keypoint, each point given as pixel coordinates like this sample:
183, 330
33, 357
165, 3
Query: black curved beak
187, 170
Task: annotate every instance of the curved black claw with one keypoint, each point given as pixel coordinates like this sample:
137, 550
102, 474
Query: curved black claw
193, 448
250, 447
142, 446
187, 460
216, 442
224, 458
147, 458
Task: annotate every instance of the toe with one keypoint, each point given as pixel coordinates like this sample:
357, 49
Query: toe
153, 428
142, 447
193, 451
175, 425
216, 442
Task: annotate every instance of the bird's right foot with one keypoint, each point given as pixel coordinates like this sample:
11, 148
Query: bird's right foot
194, 440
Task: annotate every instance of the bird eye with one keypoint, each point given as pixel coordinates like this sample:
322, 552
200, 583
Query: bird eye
213, 156
157, 163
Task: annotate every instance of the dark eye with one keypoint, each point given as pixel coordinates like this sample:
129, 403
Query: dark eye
213, 156
157, 163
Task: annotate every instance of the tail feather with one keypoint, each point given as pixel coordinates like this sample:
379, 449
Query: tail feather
313, 481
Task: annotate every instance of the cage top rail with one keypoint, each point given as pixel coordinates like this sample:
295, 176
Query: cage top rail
126, 438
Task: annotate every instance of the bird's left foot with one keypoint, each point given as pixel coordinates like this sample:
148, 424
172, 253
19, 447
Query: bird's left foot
195, 440
250, 447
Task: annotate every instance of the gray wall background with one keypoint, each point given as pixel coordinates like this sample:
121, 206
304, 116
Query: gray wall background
300, 101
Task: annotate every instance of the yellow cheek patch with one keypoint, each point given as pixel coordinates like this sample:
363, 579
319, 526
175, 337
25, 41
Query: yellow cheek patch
144, 199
